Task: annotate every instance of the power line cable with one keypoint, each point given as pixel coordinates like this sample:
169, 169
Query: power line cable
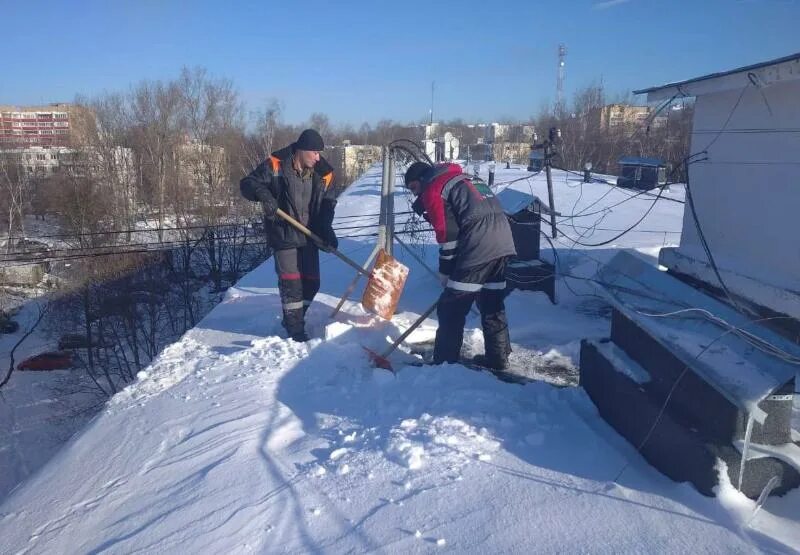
693, 209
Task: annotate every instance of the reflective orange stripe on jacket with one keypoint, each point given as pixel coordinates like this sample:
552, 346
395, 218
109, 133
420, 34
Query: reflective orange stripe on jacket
327, 179
276, 164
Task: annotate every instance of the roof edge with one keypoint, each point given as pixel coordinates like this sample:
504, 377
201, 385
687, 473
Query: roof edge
676, 84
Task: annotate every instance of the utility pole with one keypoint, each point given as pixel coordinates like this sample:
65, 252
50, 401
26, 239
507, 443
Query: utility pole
560, 104
433, 84
385, 222
549, 151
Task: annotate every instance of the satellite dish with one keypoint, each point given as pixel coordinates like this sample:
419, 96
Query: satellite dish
451, 146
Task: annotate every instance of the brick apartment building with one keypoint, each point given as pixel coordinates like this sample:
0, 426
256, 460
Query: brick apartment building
35, 126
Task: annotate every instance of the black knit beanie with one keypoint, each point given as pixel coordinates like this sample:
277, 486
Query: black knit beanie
415, 171
309, 140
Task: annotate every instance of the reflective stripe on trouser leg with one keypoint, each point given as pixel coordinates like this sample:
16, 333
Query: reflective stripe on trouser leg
498, 285
463, 286
452, 313
495, 334
493, 316
309, 273
287, 266
487, 283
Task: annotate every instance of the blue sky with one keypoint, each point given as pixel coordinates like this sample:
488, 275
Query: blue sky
364, 61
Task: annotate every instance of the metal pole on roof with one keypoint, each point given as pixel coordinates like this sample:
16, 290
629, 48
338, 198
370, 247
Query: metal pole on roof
547, 157
382, 219
390, 204
553, 136
385, 224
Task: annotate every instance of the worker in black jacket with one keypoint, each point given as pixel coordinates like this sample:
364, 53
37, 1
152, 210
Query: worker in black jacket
299, 181
475, 243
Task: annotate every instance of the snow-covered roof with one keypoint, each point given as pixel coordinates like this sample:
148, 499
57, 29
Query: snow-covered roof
741, 373
763, 73
640, 161
236, 440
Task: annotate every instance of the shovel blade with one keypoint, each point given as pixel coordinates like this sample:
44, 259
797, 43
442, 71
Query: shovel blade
385, 286
379, 361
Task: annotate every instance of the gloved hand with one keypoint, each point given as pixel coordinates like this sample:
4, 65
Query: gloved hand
270, 210
329, 236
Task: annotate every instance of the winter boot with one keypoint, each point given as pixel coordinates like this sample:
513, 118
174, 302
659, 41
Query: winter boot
300, 337
491, 362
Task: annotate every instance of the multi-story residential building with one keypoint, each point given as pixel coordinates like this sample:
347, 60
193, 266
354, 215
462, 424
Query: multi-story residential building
37, 161
616, 116
35, 126
202, 170
509, 133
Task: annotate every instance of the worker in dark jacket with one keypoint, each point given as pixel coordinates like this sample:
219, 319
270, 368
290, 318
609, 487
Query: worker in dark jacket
474, 244
299, 181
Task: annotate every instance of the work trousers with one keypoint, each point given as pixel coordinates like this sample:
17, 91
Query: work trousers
298, 283
486, 285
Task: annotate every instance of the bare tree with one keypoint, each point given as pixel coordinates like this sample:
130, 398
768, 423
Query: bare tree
321, 122
262, 142
155, 110
111, 161
14, 193
42, 310
211, 117
363, 134
588, 137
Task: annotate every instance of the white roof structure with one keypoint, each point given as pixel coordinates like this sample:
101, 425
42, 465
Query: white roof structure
761, 74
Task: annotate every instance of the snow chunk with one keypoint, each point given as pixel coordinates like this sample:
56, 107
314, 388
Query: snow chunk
319, 471
407, 454
447, 440
350, 438
336, 329
734, 501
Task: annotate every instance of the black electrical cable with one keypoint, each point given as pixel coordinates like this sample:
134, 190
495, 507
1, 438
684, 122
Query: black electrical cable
246, 223
162, 244
728, 120
178, 242
688, 160
693, 211
132, 231
600, 244
622, 189
597, 228
707, 250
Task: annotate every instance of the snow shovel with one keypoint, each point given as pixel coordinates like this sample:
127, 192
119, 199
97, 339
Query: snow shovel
311, 235
385, 281
382, 360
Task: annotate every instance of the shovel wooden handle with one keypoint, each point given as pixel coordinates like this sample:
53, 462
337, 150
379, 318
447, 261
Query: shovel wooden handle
411, 328
308, 233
